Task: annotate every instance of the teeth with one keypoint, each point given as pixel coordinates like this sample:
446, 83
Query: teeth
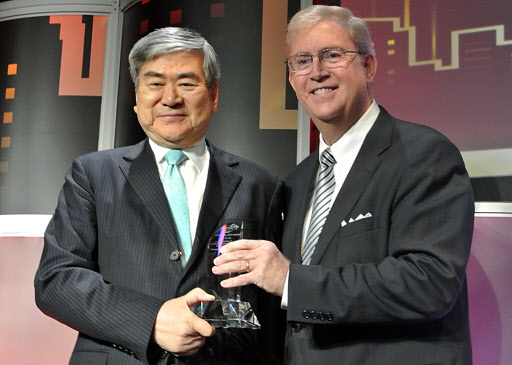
322, 91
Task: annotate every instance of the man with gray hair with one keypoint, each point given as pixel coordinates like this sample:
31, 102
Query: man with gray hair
125, 253
378, 221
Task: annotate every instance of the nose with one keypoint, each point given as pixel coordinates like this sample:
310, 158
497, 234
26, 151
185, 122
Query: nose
171, 96
318, 70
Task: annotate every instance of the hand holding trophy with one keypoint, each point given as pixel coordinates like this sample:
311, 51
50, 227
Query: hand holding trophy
228, 310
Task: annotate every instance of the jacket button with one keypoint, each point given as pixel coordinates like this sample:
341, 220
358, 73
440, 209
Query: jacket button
321, 316
330, 317
306, 314
314, 315
296, 327
175, 255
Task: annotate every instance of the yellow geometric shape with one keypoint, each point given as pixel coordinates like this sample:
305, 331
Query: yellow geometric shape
391, 42
12, 69
9, 93
8, 117
391, 51
5, 142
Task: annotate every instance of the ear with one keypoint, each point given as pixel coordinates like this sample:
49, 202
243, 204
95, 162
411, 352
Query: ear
214, 94
291, 80
136, 100
370, 65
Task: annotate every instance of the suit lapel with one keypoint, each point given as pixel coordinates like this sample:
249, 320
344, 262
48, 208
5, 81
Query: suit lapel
141, 172
221, 185
302, 187
367, 160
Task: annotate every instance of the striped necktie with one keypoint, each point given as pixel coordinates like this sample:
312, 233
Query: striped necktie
321, 204
176, 193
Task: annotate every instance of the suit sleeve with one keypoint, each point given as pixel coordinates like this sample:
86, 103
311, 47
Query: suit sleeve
70, 288
424, 240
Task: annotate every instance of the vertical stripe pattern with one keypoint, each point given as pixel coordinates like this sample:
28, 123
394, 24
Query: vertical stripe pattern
321, 204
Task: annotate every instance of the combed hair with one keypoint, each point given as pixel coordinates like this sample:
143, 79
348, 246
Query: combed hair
356, 27
173, 39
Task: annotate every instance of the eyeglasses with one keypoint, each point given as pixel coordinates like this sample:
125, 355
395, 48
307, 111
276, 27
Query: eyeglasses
302, 63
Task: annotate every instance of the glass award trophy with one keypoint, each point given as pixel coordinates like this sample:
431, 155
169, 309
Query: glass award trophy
228, 310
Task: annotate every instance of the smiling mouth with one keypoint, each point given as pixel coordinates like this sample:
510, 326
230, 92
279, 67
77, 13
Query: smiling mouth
172, 115
323, 90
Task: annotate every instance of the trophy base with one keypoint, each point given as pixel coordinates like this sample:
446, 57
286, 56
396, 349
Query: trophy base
227, 314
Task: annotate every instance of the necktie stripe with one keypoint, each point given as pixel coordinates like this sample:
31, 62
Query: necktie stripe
321, 204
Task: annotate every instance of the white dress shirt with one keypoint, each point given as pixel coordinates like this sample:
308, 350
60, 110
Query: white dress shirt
345, 151
194, 171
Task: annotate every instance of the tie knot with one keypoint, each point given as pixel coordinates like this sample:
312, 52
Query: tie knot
327, 157
175, 157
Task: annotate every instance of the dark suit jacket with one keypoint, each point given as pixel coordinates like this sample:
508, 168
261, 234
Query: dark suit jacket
390, 288
106, 267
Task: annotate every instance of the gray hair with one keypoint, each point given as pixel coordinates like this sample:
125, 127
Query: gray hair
173, 39
356, 27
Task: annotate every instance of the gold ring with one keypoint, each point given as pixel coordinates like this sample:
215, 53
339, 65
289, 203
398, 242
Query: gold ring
248, 266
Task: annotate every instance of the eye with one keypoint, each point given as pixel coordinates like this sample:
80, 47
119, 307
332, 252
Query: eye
154, 84
187, 85
301, 61
331, 55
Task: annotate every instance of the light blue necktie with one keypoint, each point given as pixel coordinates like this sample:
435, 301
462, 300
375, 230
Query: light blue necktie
176, 192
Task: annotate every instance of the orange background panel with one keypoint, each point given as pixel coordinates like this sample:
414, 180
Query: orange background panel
8, 117
12, 69
72, 32
9, 93
5, 142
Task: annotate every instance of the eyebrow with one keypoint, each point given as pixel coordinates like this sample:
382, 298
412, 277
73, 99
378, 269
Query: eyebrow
154, 74
182, 75
187, 75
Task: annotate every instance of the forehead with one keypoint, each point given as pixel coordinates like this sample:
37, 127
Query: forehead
182, 61
323, 34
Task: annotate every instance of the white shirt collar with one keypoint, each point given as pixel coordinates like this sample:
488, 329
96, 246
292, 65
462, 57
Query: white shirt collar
196, 153
348, 145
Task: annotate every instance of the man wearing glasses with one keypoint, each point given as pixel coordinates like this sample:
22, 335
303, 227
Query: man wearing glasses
379, 220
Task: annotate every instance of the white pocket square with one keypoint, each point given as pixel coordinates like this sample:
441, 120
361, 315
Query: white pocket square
359, 217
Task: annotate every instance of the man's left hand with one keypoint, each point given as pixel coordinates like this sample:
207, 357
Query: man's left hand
258, 262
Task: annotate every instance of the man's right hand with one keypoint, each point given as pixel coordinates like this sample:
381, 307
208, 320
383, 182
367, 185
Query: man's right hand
177, 329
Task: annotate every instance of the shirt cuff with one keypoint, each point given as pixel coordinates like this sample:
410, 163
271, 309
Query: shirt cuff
284, 298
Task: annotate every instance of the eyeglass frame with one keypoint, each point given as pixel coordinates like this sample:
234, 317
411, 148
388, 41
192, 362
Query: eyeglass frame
341, 50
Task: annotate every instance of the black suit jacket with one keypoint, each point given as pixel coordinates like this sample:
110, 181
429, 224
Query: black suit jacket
389, 288
106, 268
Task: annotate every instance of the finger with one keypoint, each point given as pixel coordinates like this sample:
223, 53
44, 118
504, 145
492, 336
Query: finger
238, 255
202, 327
239, 245
239, 266
236, 281
191, 348
197, 295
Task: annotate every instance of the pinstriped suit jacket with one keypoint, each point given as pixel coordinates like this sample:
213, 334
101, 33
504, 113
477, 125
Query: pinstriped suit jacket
106, 268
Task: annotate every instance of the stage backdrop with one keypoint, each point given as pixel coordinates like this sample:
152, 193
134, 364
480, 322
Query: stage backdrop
51, 72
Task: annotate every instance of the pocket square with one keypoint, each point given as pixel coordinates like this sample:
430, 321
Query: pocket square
359, 217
